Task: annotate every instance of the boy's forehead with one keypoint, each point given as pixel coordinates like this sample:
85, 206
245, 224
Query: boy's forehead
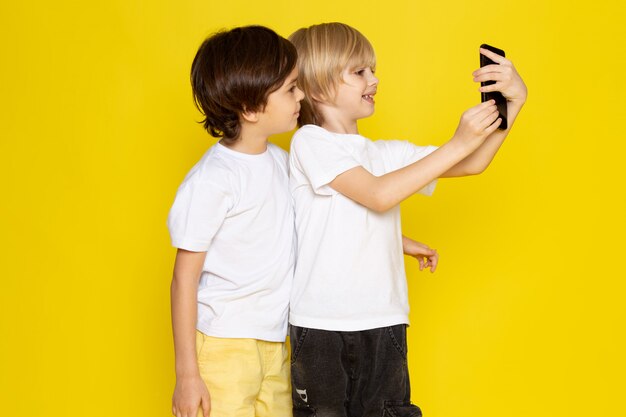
293, 76
361, 61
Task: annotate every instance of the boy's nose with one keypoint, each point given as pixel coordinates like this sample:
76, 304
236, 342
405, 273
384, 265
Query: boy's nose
300, 95
373, 80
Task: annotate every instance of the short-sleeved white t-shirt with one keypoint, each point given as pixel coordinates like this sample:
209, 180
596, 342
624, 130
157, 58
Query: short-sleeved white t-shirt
350, 267
237, 207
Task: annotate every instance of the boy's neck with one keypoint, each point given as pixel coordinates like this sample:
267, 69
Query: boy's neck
345, 128
248, 144
337, 124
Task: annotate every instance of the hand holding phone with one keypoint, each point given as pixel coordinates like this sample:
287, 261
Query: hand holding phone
495, 95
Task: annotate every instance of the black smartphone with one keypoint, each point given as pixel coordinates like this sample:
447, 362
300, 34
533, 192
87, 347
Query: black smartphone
495, 95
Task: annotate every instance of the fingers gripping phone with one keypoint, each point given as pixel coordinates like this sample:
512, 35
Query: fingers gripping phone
495, 95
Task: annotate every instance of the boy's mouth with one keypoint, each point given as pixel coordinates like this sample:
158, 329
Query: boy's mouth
369, 98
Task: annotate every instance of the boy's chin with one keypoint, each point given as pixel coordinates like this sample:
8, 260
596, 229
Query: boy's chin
368, 113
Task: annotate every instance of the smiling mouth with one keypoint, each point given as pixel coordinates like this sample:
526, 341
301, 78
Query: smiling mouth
369, 98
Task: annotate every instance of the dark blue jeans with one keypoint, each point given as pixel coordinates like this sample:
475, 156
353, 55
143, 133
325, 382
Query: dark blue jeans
350, 374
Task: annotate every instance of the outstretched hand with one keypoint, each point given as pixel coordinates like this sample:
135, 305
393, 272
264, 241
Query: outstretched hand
508, 81
427, 257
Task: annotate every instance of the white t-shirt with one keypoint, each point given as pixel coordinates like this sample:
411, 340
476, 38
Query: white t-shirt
237, 207
350, 266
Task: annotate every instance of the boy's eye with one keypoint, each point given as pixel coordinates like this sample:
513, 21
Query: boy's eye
360, 72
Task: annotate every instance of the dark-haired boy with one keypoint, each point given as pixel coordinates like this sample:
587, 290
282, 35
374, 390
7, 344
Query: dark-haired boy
233, 224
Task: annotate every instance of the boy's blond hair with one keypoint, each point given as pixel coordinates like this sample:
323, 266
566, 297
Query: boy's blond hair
324, 51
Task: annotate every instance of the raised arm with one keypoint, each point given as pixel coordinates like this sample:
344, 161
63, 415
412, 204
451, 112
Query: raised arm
512, 87
190, 392
384, 192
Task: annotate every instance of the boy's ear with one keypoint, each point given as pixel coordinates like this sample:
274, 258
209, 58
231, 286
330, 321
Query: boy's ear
249, 115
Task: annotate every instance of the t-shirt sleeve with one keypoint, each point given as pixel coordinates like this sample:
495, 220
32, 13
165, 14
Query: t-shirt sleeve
199, 210
319, 159
405, 153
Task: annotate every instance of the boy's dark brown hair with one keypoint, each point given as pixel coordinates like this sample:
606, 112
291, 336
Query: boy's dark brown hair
235, 71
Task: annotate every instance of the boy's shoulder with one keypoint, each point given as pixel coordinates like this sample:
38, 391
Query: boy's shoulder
213, 166
315, 137
310, 135
311, 130
320, 132
277, 151
221, 164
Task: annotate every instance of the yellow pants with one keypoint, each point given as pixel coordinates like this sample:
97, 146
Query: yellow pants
245, 377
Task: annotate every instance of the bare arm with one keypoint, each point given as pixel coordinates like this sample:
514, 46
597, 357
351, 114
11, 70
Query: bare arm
384, 192
190, 392
512, 87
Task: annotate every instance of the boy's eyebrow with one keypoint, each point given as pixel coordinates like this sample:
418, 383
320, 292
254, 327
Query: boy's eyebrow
292, 81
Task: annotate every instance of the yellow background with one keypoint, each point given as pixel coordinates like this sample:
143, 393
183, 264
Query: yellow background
525, 315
